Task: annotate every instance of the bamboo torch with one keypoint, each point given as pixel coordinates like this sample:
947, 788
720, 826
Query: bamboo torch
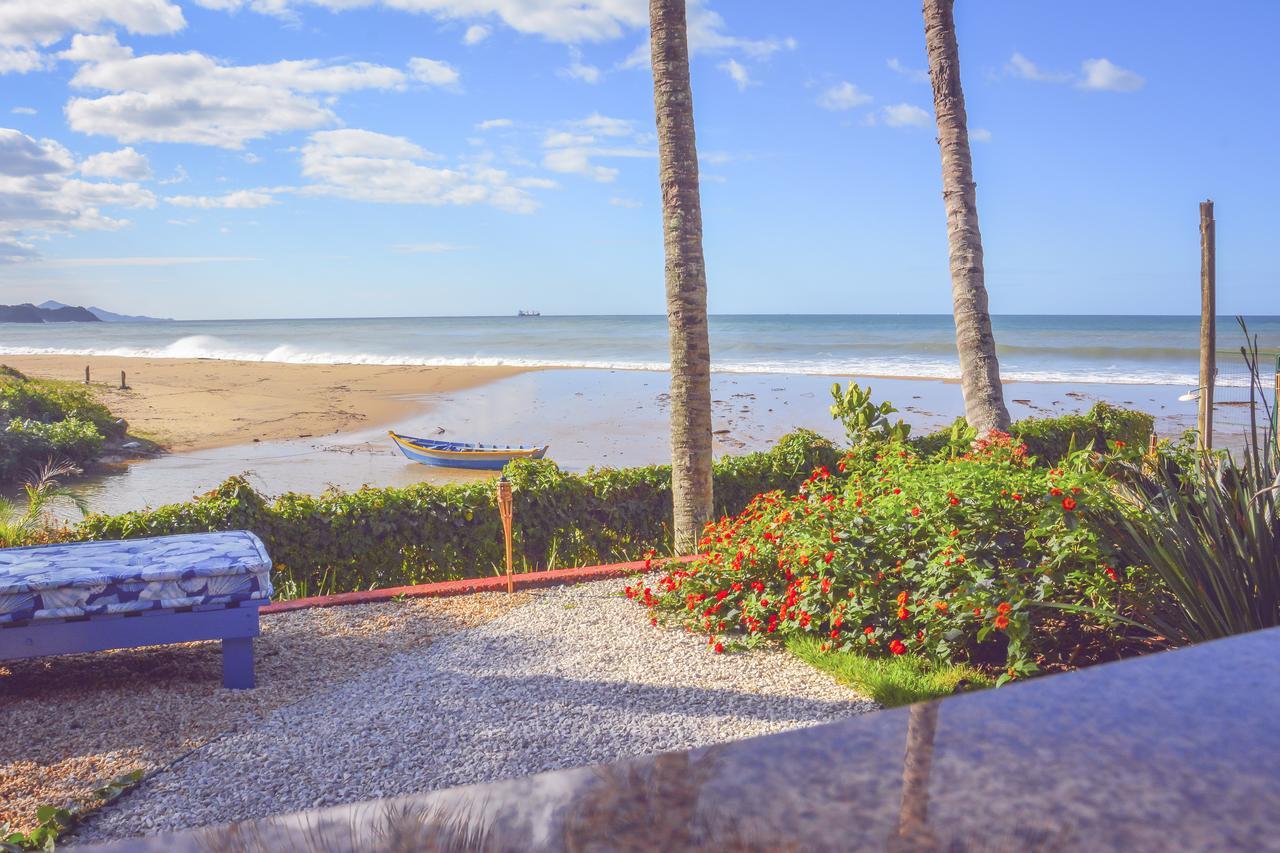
506, 510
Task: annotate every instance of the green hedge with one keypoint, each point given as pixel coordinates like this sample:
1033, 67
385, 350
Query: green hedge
380, 537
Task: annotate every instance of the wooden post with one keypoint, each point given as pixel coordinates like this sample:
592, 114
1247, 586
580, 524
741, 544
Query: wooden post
1208, 331
506, 509
86, 374
124, 386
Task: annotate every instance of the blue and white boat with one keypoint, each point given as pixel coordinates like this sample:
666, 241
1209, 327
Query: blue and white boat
459, 454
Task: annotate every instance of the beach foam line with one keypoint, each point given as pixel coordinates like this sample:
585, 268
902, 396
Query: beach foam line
906, 368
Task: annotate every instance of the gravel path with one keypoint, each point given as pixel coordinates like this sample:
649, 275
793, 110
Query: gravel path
575, 676
70, 723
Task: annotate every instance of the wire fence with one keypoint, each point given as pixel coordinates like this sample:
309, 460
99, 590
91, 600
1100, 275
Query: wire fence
1233, 390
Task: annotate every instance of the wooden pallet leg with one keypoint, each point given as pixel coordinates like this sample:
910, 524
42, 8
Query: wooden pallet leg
237, 663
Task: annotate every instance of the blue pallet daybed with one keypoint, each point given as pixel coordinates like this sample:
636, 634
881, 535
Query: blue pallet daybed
93, 596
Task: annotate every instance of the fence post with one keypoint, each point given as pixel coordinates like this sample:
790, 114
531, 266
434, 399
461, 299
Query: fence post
86, 374
1208, 331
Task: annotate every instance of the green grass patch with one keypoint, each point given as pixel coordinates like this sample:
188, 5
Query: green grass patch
892, 681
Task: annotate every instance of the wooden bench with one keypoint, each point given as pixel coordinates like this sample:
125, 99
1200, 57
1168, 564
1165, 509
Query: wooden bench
94, 596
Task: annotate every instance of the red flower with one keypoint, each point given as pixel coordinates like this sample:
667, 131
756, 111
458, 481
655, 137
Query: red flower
1016, 496
835, 632
1002, 622
1111, 573
904, 613
897, 647
915, 510
868, 630
829, 556
719, 648
1069, 504
1004, 607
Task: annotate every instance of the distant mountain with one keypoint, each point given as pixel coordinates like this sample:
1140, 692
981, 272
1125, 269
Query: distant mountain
28, 313
106, 316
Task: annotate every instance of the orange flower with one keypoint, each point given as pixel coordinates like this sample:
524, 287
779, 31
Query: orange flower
941, 605
904, 613
902, 598
897, 647
1002, 622
1003, 608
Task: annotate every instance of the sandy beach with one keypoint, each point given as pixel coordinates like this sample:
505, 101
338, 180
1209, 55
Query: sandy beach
306, 427
198, 404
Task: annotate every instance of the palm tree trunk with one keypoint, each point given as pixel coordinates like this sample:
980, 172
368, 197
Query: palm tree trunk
984, 407
686, 274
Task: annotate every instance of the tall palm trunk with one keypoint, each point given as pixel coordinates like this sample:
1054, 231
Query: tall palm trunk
686, 273
984, 407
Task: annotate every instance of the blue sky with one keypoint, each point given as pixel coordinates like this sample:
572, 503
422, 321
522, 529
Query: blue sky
277, 158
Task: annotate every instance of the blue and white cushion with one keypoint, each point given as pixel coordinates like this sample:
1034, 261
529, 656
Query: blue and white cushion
92, 578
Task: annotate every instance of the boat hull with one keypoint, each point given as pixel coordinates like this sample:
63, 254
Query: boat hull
448, 454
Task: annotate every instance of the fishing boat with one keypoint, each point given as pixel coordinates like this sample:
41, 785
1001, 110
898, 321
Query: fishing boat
459, 454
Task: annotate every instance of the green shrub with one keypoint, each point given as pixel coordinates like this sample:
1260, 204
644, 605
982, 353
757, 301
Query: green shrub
75, 440
955, 559
379, 537
1050, 440
43, 421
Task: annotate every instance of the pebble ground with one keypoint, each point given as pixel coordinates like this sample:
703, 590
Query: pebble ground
575, 676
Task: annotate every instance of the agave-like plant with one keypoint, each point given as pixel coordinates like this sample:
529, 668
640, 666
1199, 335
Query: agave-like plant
1210, 530
22, 520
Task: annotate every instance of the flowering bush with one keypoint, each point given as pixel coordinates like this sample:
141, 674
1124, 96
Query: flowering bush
890, 554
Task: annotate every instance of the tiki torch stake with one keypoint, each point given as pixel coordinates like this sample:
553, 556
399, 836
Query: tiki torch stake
506, 510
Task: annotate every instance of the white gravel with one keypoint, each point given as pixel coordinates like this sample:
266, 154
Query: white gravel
577, 676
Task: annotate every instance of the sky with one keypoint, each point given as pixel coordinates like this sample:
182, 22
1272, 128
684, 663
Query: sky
313, 158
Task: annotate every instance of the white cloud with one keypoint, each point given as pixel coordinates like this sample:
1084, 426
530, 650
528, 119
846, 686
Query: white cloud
842, 96
979, 134
905, 115
190, 97
604, 125
1101, 75
23, 111
125, 164
475, 34
43, 22
573, 151
366, 166
738, 73
578, 70
179, 176
1104, 75
143, 261
566, 21
1019, 66
237, 200
39, 197
625, 202
427, 248
490, 124
20, 60
433, 72
917, 75
351, 142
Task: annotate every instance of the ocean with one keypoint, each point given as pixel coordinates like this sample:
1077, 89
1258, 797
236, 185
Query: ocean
1138, 350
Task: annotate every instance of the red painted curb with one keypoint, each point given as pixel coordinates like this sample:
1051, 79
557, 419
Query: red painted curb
528, 580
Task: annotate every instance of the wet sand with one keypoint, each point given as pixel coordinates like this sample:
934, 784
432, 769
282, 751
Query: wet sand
198, 404
590, 418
